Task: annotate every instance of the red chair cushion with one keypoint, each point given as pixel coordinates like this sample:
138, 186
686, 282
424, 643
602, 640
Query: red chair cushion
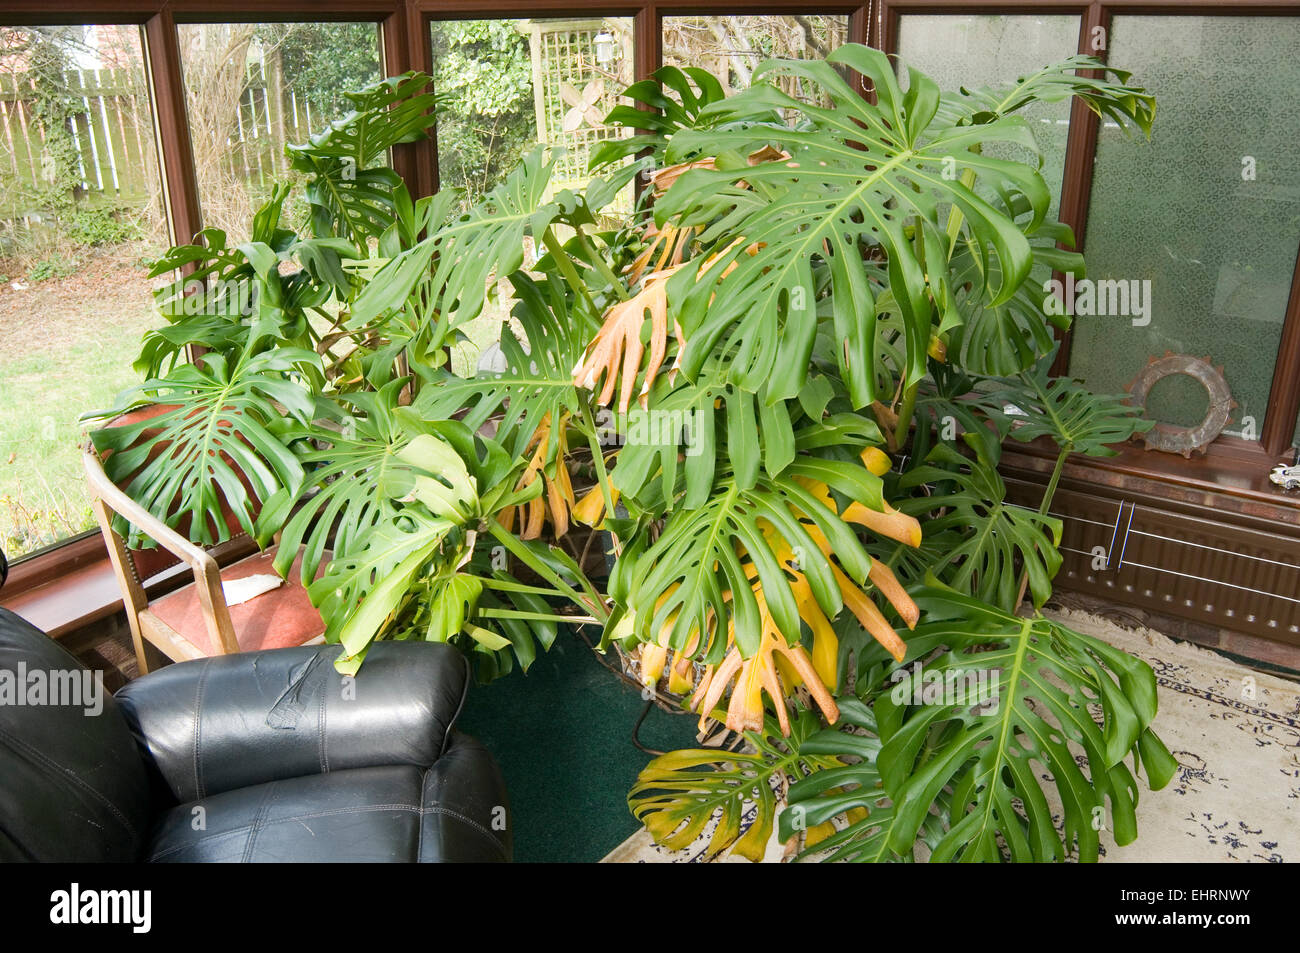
281, 618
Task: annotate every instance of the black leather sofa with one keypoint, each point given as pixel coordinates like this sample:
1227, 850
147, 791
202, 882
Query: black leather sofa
264, 756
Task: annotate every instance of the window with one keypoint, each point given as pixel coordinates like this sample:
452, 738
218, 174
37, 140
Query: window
984, 50
507, 85
252, 88
510, 84
732, 47
80, 215
1207, 212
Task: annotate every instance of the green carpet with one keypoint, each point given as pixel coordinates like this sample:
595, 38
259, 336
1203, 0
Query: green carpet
562, 734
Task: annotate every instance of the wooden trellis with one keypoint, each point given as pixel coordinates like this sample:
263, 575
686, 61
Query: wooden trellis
568, 76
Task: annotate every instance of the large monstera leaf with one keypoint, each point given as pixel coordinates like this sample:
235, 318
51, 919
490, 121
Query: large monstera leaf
219, 444
447, 274
998, 540
677, 794
362, 592
401, 577
859, 174
537, 383
352, 196
1076, 419
695, 581
1056, 692
362, 464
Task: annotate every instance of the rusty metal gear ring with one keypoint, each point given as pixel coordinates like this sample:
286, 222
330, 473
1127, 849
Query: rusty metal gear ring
1185, 440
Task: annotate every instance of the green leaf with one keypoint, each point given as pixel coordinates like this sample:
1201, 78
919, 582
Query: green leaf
362, 591
652, 126
999, 540
350, 196
447, 273
1077, 420
1057, 691
1114, 100
217, 449
357, 473
537, 383
859, 174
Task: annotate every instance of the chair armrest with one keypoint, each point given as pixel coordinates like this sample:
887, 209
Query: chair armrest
231, 721
207, 574
196, 557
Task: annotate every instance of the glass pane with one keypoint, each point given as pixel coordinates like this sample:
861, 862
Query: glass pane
80, 214
252, 88
508, 84
731, 47
994, 50
1207, 212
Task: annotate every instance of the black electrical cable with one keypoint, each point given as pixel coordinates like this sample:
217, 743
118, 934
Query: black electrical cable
636, 730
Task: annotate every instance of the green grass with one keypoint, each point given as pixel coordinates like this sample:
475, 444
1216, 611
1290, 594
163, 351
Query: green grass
44, 389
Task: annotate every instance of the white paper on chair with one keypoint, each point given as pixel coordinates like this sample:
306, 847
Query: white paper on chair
238, 591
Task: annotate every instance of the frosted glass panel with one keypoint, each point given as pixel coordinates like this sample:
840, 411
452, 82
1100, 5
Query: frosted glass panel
1208, 211
994, 51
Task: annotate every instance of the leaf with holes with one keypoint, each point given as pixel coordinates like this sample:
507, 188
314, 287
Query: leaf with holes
1017, 698
218, 447
998, 540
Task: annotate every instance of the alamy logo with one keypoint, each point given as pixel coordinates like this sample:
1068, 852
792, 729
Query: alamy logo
94, 907
1107, 297
651, 428
61, 688
977, 688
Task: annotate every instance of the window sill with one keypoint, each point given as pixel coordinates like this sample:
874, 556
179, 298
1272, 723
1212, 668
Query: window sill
1231, 478
73, 586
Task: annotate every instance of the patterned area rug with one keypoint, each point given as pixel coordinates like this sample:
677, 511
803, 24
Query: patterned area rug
1235, 733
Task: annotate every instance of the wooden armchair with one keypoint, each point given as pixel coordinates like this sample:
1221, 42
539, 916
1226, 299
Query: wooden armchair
195, 620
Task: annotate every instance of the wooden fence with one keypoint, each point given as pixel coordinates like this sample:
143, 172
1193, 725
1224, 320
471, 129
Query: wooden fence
114, 139
112, 136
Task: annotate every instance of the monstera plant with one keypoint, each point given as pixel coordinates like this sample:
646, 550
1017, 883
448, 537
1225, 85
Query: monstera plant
775, 395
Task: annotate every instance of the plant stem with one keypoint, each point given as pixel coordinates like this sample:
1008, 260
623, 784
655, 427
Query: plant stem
602, 477
591, 601
602, 266
507, 585
1046, 505
565, 264
1044, 508
487, 613
905, 411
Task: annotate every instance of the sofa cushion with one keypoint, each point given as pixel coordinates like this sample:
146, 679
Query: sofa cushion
232, 721
73, 787
454, 811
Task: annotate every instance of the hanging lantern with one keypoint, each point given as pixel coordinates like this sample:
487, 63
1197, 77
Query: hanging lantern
605, 47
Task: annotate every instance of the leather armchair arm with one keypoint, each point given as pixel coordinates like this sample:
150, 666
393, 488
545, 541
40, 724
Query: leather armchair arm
232, 721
